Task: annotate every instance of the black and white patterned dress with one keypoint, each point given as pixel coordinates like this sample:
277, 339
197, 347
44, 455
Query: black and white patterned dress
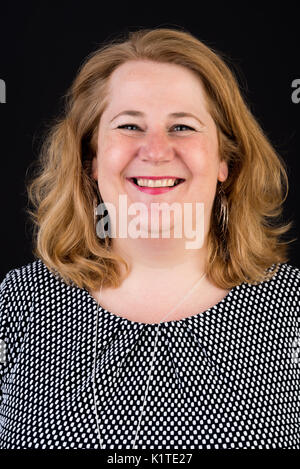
225, 378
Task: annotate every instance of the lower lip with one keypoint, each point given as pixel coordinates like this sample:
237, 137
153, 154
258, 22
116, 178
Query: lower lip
154, 190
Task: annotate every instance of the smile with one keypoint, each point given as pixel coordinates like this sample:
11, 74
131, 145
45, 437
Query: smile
155, 185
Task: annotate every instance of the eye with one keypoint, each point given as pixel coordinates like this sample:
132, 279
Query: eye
126, 125
182, 125
133, 125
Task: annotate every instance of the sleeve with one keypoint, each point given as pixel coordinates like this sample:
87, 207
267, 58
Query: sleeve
5, 304
14, 320
296, 341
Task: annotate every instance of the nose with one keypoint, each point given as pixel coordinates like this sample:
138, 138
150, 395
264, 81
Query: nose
156, 147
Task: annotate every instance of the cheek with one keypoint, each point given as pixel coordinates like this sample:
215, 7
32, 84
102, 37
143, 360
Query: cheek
113, 157
204, 159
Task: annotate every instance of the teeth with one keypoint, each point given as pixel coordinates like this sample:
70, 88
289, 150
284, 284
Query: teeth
156, 182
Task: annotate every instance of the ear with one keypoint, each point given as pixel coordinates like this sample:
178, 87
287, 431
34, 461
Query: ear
94, 170
223, 171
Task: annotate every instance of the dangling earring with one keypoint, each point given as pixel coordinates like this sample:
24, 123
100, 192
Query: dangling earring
96, 202
99, 226
95, 205
223, 215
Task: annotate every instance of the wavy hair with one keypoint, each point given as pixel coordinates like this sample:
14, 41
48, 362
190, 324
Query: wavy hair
61, 189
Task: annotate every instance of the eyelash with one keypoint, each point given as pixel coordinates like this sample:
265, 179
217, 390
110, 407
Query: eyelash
133, 125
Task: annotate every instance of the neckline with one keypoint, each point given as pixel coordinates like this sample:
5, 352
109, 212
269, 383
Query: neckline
275, 266
175, 322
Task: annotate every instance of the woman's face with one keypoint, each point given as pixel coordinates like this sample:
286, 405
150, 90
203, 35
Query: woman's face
155, 143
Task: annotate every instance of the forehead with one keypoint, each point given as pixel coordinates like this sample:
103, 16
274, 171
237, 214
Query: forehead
149, 80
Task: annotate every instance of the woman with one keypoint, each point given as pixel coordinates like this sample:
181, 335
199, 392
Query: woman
134, 341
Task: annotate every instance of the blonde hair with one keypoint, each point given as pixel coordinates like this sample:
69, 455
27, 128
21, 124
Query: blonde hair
62, 191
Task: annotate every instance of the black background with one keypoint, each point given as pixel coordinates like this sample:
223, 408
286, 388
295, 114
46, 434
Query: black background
44, 43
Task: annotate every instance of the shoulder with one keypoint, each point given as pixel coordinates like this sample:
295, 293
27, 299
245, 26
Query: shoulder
286, 279
17, 289
286, 286
17, 276
283, 286
24, 291
17, 285
21, 289
277, 298
289, 269
16, 294
24, 282
274, 301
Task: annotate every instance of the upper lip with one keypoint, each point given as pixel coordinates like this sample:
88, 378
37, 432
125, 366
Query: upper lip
154, 177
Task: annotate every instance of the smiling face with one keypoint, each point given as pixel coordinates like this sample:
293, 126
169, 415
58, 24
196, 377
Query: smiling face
155, 143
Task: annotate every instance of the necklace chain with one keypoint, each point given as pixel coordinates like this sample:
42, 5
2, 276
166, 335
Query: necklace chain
151, 367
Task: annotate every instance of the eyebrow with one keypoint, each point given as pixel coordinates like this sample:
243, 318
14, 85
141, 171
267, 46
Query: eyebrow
141, 114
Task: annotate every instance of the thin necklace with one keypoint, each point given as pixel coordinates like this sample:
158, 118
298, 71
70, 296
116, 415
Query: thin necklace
153, 356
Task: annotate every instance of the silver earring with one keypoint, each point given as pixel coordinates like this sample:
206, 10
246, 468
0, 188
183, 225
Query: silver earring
223, 214
95, 205
99, 226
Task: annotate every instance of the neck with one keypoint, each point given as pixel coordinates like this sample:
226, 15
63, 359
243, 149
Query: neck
160, 261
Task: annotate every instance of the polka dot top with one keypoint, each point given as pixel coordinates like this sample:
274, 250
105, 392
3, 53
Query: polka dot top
225, 378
